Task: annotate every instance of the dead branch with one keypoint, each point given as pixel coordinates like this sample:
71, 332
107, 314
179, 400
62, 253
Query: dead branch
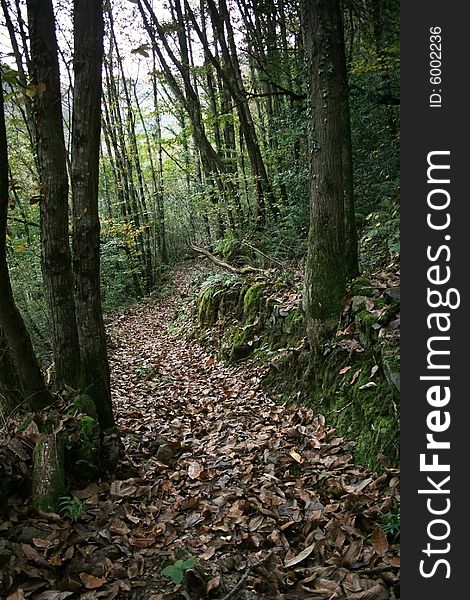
246, 574
225, 265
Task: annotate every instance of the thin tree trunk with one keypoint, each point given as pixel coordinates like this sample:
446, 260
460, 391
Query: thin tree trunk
86, 124
10, 390
56, 256
160, 206
11, 322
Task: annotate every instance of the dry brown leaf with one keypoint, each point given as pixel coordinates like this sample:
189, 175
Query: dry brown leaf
213, 584
91, 582
379, 541
377, 592
18, 595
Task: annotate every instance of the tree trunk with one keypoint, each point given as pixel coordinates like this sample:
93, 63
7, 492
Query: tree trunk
10, 391
324, 285
88, 54
11, 322
48, 472
351, 257
52, 158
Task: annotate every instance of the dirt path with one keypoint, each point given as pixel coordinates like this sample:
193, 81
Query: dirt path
233, 476
240, 497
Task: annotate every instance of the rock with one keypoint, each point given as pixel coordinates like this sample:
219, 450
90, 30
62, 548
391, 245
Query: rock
166, 453
391, 366
358, 303
392, 294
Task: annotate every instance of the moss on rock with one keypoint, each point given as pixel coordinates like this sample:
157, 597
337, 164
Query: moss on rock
362, 287
86, 452
362, 407
253, 301
48, 473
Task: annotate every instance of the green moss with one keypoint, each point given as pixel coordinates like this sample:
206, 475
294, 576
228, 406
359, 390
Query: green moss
293, 322
208, 305
237, 342
84, 404
87, 455
379, 303
362, 287
365, 319
217, 297
48, 501
253, 301
24, 423
368, 416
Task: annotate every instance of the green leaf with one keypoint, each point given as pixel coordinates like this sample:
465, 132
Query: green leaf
189, 563
174, 573
10, 76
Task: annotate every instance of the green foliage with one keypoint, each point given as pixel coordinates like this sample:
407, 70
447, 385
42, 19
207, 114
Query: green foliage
380, 240
391, 524
176, 570
72, 507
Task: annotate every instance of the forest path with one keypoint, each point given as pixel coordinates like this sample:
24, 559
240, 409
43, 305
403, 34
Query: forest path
264, 496
263, 499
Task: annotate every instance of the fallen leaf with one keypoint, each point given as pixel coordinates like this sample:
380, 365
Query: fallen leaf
300, 557
295, 455
194, 470
379, 541
91, 582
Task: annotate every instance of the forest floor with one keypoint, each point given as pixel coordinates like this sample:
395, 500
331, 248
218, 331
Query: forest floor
240, 497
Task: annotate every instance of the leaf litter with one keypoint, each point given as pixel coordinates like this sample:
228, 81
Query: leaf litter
265, 497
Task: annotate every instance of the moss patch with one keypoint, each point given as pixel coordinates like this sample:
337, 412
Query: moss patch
253, 302
362, 287
84, 404
48, 474
363, 407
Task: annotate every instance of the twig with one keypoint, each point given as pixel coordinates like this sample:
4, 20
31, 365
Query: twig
246, 574
341, 409
224, 264
274, 260
376, 570
25, 222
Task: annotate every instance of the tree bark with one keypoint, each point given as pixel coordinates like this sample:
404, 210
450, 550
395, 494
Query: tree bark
10, 391
86, 127
52, 158
324, 285
11, 321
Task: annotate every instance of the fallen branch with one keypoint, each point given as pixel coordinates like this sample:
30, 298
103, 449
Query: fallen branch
274, 260
376, 570
246, 574
225, 265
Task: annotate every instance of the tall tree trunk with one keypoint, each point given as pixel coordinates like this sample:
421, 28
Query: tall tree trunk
86, 126
15, 333
10, 390
160, 205
324, 285
52, 157
351, 255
